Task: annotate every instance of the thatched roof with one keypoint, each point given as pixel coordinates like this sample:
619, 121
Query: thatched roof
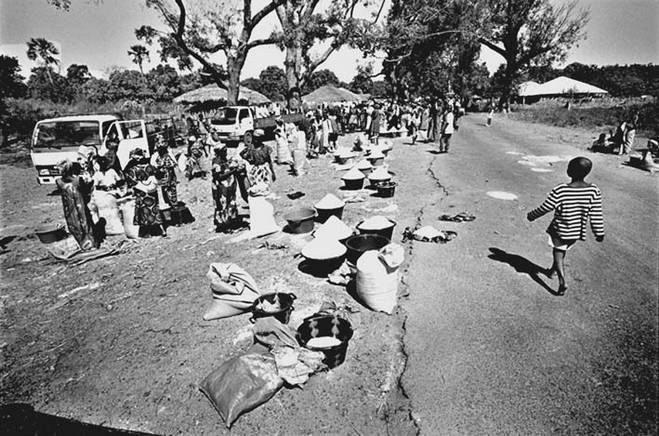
213, 93
331, 94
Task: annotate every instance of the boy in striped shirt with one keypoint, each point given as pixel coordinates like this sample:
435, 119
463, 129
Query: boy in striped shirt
573, 204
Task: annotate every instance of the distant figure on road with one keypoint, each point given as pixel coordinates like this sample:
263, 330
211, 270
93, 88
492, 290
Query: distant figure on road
574, 203
447, 128
490, 113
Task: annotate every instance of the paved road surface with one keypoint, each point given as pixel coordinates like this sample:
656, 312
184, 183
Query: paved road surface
491, 349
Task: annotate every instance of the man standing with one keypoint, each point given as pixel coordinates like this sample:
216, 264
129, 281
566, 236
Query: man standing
447, 127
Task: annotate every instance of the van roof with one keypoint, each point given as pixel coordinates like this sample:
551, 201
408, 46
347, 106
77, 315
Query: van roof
100, 118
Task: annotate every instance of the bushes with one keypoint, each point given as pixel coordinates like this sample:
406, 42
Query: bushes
599, 116
20, 115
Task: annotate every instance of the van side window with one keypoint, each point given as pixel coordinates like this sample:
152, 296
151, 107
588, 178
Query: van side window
243, 114
112, 132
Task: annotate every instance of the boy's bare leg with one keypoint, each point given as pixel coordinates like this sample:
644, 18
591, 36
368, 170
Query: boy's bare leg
559, 267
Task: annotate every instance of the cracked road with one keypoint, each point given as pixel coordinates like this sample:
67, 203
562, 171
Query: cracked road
490, 349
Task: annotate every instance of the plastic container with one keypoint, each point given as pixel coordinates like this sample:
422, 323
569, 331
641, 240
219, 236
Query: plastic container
321, 267
386, 189
300, 220
283, 300
386, 232
359, 244
323, 214
50, 233
317, 326
354, 185
376, 161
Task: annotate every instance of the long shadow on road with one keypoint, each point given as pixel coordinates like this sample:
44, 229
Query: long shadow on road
521, 265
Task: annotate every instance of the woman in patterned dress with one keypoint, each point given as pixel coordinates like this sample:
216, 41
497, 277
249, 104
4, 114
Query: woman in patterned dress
260, 172
224, 190
140, 177
165, 164
76, 194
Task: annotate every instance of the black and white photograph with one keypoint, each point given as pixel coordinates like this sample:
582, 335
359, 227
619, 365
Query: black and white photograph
329, 217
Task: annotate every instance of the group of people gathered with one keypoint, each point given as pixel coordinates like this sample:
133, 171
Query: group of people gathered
91, 185
622, 141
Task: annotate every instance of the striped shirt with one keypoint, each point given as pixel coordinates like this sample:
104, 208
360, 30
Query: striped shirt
572, 209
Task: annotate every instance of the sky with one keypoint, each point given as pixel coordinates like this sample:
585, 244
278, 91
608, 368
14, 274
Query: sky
98, 33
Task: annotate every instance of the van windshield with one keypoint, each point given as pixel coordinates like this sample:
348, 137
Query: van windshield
58, 134
226, 116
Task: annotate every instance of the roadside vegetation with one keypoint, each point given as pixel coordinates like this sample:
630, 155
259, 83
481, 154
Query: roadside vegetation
600, 115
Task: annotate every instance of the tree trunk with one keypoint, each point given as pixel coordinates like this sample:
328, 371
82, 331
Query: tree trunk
293, 62
508, 79
234, 66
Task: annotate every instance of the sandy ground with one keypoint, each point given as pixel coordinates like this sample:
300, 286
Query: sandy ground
131, 353
482, 344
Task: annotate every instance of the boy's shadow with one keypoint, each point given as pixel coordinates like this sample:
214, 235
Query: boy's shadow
521, 265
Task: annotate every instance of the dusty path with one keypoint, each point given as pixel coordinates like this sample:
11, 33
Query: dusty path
491, 349
130, 352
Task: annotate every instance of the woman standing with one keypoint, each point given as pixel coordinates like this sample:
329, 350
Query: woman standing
104, 197
165, 164
374, 130
260, 172
141, 178
76, 194
224, 191
196, 152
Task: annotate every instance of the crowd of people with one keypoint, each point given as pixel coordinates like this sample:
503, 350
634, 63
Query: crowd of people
91, 186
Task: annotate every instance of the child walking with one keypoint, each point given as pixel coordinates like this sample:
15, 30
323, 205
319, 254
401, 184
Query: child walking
573, 204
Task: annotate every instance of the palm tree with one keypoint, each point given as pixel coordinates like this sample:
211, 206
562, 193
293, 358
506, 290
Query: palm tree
45, 51
139, 53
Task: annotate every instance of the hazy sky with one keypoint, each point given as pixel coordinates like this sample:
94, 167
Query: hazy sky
98, 34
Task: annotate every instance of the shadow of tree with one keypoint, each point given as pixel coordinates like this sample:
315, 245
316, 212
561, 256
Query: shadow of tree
521, 265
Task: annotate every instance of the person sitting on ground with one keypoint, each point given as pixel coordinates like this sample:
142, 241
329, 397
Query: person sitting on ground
574, 204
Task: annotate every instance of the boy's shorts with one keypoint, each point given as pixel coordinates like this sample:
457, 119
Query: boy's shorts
559, 244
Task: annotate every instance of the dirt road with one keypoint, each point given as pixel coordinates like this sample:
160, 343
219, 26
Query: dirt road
491, 349
485, 347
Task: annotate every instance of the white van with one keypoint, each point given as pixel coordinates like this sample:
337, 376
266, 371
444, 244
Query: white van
57, 139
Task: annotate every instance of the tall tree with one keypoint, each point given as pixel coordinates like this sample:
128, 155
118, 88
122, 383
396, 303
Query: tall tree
429, 45
309, 23
139, 54
45, 52
204, 28
164, 82
11, 82
532, 32
273, 83
320, 78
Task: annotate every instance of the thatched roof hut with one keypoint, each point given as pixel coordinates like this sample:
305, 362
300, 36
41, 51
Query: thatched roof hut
214, 94
331, 94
